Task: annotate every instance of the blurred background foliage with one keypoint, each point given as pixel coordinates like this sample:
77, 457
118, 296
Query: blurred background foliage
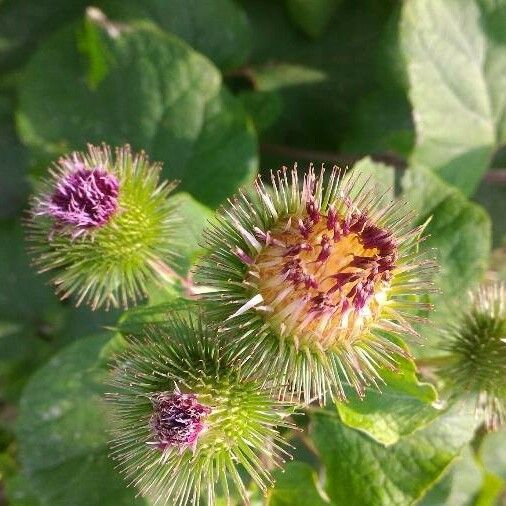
220, 90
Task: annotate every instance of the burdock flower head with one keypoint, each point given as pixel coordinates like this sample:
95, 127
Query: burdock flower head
177, 420
476, 344
103, 224
84, 198
187, 418
310, 281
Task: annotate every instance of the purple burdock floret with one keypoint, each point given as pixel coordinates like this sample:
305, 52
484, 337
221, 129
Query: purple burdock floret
83, 198
177, 420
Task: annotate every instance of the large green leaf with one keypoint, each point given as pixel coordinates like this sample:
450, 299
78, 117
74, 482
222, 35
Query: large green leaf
136, 84
379, 175
317, 113
493, 453
456, 59
63, 433
24, 22
217, 28
363, 472
458, 486
30, 314
381, 124
193, 217
460, 231
33, 323
403, 405
297, 485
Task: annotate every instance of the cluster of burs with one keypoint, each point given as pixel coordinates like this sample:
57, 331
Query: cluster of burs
306, 288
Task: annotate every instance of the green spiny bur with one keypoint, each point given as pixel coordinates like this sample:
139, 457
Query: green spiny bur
237, 430
109, 263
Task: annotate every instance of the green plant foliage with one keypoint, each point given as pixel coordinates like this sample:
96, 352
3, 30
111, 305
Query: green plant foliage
456, 61
297, 486
217, 28
382, 177
312, 17
459, 485
14, 188
459, 231
23, 23
155, 93
360, 471
493, 453
409, 95
63, 433
318, 115
403, 405
493, 198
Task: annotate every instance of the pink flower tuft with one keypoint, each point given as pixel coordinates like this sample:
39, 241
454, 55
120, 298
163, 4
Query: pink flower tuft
83, 198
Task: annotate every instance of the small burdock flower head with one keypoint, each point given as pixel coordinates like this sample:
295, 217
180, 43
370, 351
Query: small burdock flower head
476, 345
177, 420
313, 280
103, 224
83, 199
186, 418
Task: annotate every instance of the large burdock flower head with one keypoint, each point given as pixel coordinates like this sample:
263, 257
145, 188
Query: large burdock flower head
476, 344
187, 419
103, 224
309, 279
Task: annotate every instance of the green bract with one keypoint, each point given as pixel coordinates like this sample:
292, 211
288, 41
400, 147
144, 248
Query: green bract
177, 454
107, 261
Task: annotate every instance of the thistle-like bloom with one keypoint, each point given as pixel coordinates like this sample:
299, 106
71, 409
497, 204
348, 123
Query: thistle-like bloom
104, 225
186, 417
83, 199
477, 353
310, 281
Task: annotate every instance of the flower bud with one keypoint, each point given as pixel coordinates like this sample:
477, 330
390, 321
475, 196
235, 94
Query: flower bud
186, 417
309, 282
103, 225
476, 344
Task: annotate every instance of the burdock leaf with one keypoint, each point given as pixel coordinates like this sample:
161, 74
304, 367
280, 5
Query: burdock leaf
456, 62
193, 217
217, 28
459, 485
382, 177
403, 405
150, 90
63, 433
493, 453
23, 23
361, 471
297, 485
459, 231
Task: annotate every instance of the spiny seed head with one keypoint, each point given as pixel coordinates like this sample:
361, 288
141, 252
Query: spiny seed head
476, 344
186, 418
103, 224
310, 281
